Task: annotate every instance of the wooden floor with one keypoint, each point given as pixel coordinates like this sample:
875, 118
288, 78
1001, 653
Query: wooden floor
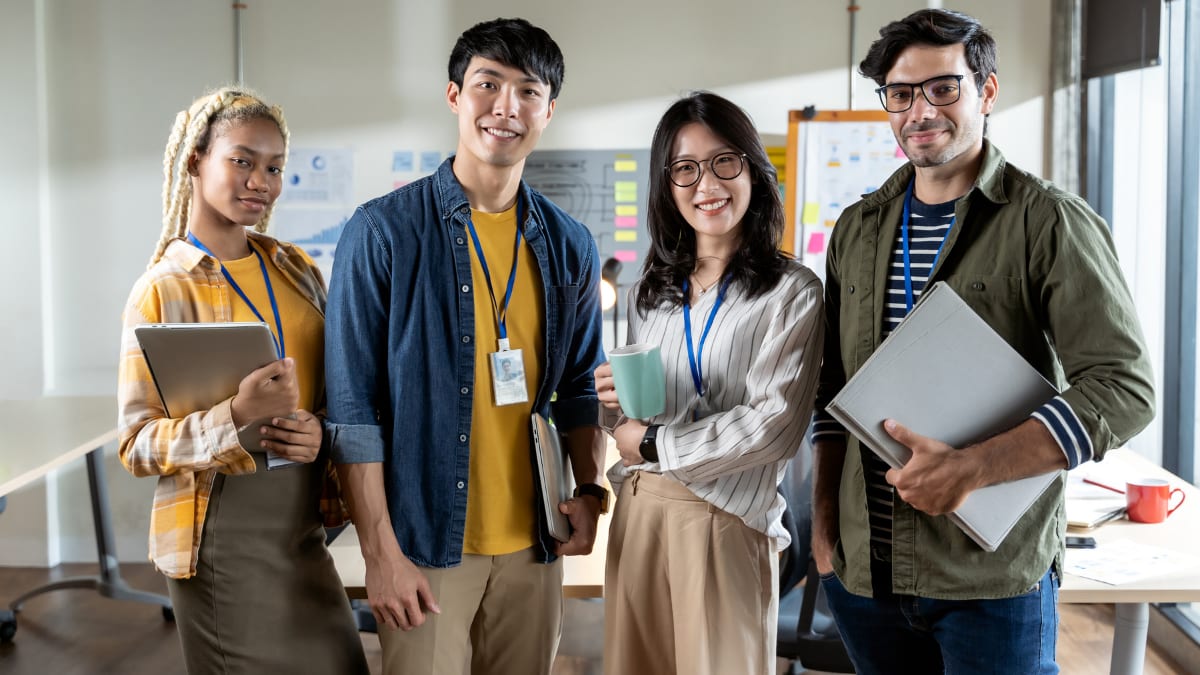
80, 633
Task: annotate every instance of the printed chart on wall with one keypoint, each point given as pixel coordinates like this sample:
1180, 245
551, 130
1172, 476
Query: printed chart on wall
317, 200
837, 157
605, 190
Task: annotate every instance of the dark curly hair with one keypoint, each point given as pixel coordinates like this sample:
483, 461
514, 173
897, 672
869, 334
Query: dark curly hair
758, 263
935, 27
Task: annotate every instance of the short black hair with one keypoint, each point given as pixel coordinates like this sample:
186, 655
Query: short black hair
515, 43
757, 265
937, 28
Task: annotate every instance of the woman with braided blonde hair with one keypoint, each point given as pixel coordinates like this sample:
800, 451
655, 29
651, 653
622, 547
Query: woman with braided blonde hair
253, 586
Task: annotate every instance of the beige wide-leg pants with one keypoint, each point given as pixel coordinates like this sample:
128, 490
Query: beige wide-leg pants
688, 587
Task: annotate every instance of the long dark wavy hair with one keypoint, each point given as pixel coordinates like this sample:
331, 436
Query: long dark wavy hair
758, 263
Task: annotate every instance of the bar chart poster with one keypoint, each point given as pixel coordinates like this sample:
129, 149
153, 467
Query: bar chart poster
605, 190
316, 202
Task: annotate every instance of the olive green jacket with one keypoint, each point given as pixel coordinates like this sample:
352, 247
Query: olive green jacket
1039, 266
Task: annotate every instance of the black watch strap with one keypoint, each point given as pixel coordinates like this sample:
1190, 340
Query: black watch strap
649, 446
595, 490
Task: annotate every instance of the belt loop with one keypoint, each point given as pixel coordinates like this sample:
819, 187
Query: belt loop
636, 476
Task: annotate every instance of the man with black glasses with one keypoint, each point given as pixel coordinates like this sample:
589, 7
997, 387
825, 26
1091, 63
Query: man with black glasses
910, 591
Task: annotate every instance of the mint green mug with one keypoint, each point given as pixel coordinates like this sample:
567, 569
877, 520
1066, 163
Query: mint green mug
639, 380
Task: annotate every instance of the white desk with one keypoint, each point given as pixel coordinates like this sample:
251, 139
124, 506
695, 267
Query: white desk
1180, 532
583, 576
41, 435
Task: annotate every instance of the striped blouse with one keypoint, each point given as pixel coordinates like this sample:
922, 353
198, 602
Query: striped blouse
760, 366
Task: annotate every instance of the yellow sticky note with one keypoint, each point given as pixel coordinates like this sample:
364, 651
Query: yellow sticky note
626, 210
811, 211
625, 235
625, 165
625, 191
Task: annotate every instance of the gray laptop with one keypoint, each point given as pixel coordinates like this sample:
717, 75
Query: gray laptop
557, 483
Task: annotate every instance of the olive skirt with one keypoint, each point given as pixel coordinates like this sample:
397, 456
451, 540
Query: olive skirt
266, 597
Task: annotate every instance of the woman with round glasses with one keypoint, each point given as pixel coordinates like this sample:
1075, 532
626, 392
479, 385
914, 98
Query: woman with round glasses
690, 583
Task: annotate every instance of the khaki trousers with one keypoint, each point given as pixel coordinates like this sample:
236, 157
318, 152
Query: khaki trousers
688, 587
501, 614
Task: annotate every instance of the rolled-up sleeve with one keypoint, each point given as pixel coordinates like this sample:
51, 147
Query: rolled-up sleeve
356, 328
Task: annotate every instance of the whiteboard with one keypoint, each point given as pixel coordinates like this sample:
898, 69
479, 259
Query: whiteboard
838, 156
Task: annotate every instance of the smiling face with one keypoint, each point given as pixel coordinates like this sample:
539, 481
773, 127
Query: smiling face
713, 207
949, 136
240, 176
502, 112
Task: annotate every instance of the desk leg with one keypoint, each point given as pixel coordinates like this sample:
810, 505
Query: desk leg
109, 583
1129, 638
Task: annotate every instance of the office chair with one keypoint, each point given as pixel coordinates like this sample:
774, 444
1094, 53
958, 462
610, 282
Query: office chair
807, 634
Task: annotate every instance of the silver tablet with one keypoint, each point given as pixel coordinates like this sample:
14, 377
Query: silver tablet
197, 365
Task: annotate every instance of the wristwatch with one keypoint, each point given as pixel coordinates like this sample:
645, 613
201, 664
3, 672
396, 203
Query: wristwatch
597, 491
649, 448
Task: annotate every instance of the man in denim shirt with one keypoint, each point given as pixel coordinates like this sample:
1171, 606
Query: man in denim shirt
436, 291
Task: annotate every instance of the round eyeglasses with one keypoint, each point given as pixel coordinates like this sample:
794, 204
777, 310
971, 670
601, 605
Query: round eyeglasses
687, 172
939, 91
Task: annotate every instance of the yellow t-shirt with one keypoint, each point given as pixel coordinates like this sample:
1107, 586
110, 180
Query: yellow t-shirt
303, 325
500, 500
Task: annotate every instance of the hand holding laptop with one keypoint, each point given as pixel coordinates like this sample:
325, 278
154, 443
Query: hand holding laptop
264, 410
935, 478
270, 391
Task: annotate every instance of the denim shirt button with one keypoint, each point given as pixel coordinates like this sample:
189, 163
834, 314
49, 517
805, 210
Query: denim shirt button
466, 339
461, 485
461, 241
462, 438
466, 288
464, 391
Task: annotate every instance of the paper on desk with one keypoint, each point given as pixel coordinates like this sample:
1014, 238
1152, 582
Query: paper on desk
1123, 561
1090, 505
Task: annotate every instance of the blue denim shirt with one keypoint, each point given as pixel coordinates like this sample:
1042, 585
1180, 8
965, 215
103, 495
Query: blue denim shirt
400, 353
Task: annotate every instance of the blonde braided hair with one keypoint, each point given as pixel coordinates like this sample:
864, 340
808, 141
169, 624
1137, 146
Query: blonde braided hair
191, 136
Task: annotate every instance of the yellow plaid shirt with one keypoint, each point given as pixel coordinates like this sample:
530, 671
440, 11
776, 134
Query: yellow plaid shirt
186, 286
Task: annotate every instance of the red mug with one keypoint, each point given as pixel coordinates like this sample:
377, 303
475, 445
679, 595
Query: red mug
1149, 500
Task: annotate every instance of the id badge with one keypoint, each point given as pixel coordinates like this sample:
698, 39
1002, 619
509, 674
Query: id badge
508, 377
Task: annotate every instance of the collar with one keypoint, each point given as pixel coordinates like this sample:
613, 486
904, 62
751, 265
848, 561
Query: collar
989, 183
452, 199
189, 257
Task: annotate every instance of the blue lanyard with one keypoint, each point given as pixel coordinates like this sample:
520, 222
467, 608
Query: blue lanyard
908, 287
502, 312
262, 265
696, 355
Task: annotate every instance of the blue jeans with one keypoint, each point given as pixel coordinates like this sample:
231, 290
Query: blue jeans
906, 634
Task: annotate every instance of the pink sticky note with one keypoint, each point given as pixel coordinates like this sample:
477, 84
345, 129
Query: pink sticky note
625, 221
625, 256
816, 243
900, 153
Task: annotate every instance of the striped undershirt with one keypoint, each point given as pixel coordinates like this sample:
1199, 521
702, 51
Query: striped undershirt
929, 225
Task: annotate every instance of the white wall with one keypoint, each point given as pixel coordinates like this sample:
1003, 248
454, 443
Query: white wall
368, 75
